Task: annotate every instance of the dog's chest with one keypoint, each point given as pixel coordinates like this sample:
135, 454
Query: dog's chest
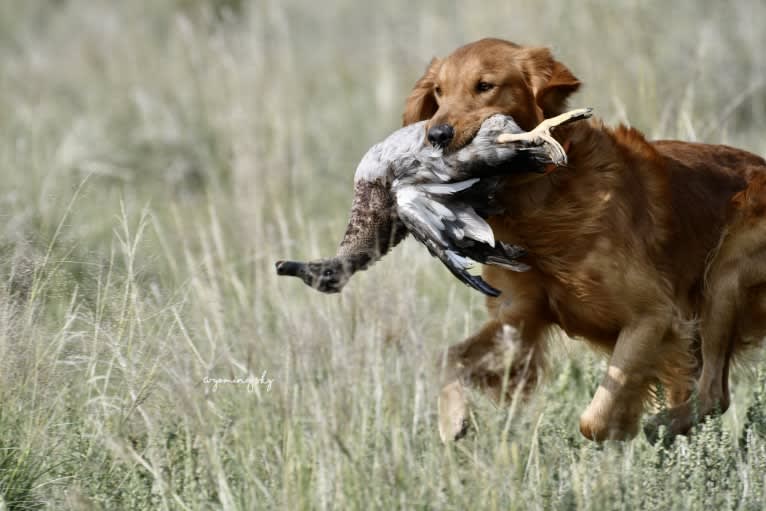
584, 296
584, 314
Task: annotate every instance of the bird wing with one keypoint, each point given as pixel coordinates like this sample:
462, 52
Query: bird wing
440, 197
452, 230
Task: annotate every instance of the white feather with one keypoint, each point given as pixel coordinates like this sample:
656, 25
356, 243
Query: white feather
438, 209
458, 260
476, 227
448, 188
416, 215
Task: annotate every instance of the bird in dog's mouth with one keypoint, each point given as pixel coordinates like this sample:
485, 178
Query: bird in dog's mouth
404, 185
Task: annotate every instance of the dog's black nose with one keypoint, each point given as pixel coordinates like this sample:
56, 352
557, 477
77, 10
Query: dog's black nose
441, 135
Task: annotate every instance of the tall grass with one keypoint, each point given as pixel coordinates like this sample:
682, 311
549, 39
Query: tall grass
158, 156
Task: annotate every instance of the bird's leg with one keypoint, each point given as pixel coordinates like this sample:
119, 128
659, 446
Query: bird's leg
541, 135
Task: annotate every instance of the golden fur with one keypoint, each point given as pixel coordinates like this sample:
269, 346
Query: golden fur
653, 252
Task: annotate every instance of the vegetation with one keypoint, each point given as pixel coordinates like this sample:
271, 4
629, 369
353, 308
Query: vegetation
157, 157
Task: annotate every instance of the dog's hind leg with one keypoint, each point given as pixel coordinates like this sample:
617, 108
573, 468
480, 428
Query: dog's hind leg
733, 314
719, 336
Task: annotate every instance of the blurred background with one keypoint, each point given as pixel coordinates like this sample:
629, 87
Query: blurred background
157, 157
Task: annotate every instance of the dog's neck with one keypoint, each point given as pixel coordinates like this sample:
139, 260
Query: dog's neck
586, 143
569, 199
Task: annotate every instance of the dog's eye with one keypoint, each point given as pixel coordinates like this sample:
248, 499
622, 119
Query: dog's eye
484, 86
438, 91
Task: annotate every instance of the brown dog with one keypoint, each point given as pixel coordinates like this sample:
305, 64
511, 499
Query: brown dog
653, 252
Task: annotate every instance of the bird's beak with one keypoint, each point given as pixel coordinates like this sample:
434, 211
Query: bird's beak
292, 268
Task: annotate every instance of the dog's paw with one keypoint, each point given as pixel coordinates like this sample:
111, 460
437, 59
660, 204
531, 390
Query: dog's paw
453, 412
663, 427
656, 430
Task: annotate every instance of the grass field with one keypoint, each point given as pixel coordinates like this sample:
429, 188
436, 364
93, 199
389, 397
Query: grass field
157, 157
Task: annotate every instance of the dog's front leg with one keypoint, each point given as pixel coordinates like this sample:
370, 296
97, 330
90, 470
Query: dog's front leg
458, 370
504, 359
616, 408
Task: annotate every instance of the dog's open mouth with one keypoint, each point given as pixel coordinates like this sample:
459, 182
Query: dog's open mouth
462, 141
540, 137
463, 138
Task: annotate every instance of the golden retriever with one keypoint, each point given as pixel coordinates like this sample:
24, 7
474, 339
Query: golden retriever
654, 252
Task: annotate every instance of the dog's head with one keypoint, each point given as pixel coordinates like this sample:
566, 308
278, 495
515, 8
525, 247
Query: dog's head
483, 78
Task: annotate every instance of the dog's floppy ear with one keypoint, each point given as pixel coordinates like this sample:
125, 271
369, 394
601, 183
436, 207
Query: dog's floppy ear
551, 81
421, 103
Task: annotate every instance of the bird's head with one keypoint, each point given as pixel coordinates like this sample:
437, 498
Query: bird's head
325, 275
